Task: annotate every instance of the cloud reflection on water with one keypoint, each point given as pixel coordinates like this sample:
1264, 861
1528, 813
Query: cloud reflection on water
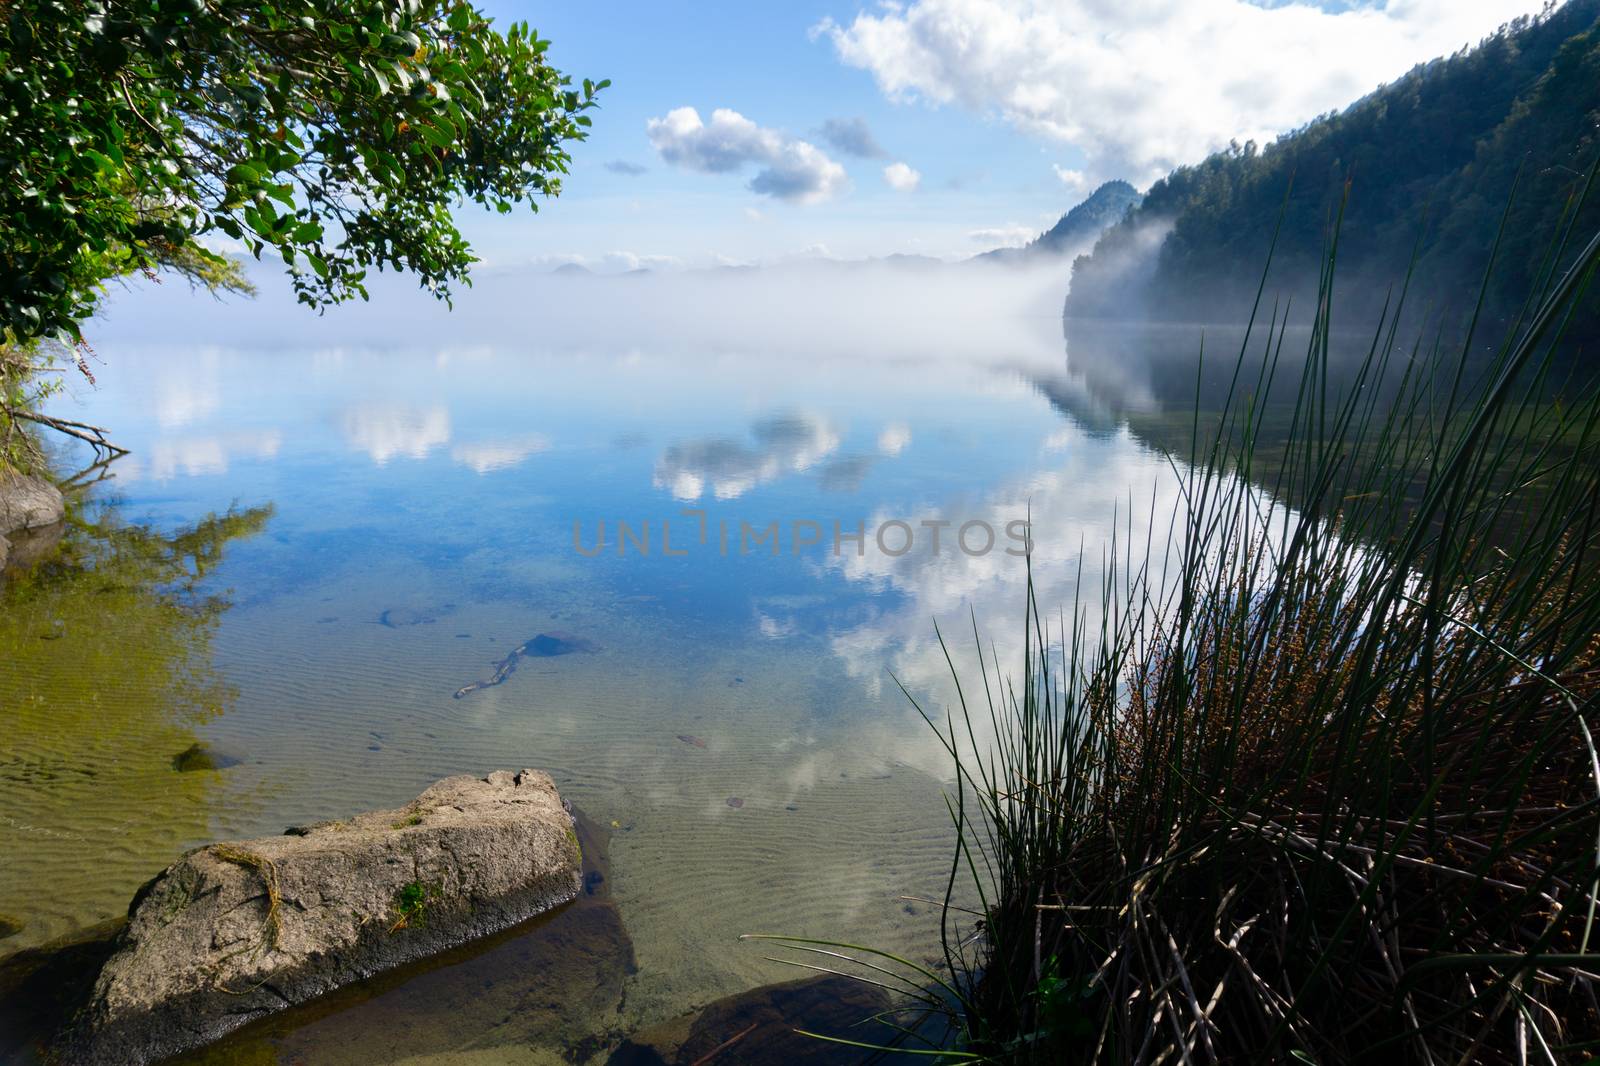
783, 444
198, 456
812, 391
484, 457
386, 432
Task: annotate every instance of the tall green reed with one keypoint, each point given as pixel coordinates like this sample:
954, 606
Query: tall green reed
1312, 775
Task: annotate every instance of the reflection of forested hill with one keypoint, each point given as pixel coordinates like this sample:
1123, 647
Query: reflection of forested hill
1174, 386
1154, 378
1433, 156
106, 673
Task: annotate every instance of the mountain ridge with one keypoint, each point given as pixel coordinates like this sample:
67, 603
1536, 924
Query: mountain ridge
1104, 207
1422, 166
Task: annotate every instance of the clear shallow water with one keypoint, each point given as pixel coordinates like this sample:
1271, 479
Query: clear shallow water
411, 511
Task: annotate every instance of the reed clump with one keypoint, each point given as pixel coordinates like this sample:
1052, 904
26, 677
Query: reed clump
1312, 775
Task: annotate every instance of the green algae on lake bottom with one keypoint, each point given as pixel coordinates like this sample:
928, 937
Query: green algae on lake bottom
762, 678
107, 646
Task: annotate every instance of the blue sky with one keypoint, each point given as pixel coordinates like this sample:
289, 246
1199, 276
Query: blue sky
1001, 113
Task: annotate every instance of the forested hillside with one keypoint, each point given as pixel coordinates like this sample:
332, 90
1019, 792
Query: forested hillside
1430, 163
1104, 207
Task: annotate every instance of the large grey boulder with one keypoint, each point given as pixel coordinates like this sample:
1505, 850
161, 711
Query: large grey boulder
235, 931
28, 503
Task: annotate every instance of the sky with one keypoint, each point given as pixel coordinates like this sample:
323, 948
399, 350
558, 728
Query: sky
754, 132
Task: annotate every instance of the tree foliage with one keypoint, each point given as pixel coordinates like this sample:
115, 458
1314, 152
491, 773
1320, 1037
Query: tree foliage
337, 134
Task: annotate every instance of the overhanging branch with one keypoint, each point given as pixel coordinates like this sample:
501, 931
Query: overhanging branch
94, 436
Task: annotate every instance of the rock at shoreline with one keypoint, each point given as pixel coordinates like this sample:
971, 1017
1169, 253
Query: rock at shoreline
29, 503
28, 547
235, 931
757, 1028
31, 513
42, 988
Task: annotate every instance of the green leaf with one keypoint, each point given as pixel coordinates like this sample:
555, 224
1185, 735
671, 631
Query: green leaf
435, 136
244, 174
260, 224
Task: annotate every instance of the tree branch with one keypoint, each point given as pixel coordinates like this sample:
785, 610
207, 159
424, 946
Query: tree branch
93, 435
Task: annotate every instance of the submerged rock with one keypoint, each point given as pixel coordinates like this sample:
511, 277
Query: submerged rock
9, 926
757, 1028
401, 617
32, 514
543, 646
203, 757
29, 503
28, 547
233, 932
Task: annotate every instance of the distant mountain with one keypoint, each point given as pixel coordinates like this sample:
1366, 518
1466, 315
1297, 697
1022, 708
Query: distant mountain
575, 269
1078, 228
904, 261
1430, 161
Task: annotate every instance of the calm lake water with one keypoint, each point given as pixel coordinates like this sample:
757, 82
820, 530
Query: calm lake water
403, 517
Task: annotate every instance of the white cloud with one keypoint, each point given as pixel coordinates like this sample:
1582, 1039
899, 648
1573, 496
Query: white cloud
1076, 181
1144, 85
619, 262
1004, 236
901, 178
213, 242
852, 136
791, 169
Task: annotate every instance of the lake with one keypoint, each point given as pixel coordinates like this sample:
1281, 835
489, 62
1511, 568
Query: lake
326, 528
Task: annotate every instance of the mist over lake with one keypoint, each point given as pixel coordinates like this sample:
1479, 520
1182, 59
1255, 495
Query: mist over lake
932, 531
432, 480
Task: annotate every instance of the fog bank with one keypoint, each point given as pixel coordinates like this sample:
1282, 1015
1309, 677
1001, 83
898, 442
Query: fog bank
910, 309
